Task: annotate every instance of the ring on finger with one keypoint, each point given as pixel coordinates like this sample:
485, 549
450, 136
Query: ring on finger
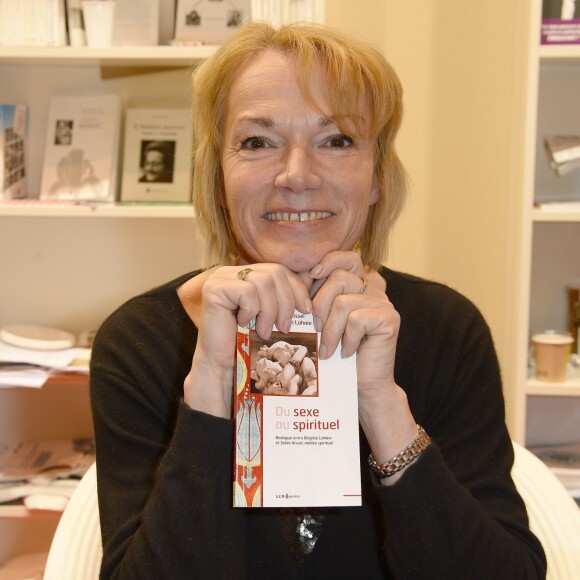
365, 284
243, 273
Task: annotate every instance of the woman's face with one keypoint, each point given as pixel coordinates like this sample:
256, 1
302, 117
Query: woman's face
296, 187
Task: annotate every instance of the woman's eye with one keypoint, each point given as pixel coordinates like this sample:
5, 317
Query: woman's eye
253, 143
340, 141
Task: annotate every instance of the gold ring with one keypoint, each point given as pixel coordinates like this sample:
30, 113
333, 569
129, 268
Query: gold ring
243, 273
365, 284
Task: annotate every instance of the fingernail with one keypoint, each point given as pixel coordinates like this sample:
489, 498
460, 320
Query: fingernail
322, 352
317, 323
315, 271
344, 353
308, 306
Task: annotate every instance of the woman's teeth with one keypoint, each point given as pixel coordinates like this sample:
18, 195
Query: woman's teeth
297, 217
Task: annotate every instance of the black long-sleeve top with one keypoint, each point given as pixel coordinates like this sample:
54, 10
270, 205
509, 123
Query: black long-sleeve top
165, 470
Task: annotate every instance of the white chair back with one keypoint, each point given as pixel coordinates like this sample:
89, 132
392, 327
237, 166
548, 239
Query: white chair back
554, 515
76, 550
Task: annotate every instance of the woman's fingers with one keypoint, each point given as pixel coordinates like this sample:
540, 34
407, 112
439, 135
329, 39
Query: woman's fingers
268, 292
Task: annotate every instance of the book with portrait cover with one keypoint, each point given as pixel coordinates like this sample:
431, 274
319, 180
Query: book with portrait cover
296, 421
81, 150
209, 21
13, 129
157, 156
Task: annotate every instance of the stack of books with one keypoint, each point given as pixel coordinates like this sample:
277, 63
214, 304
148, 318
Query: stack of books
563, 153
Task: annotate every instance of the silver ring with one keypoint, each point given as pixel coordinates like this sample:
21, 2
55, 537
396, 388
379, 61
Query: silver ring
243, 273
365, 285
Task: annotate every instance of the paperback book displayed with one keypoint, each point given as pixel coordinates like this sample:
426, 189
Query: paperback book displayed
560, 22
13, 128
136, 23
157, 156
297, 431
43, 468
81, 148
32, 22
563, 153
209, 21
280, 12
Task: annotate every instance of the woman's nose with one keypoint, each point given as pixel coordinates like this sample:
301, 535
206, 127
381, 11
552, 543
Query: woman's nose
298, 173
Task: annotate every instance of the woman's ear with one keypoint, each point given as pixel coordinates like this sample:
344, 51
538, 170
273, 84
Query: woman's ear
375, 194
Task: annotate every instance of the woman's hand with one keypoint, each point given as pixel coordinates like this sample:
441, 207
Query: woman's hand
368, 324
218, 301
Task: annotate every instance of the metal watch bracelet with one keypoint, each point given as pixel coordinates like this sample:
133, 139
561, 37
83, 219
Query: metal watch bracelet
403, 458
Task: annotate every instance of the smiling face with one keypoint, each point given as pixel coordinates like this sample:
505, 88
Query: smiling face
296, 187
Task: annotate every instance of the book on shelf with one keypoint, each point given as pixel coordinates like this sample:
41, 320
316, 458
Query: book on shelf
296, 421
13, 130
51, 458
136, 23
75, 23
32, 23
280, 12
81, 148
43, 468
209, 21
563, 152
157, 155
560, 22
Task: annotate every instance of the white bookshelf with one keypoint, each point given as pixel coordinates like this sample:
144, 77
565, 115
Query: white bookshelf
547, 412
67, 265
89, 210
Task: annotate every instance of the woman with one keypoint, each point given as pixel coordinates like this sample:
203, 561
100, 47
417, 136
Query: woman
296, 186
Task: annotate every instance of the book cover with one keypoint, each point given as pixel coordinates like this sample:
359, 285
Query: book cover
209, 21
563, 152
157, 156
81, 148
560, 22
136, 23
13, 128
297, 431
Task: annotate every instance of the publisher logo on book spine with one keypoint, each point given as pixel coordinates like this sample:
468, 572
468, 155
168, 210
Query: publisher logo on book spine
287, 495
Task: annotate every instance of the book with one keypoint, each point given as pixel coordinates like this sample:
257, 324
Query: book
560, 22
209, 21
296, 416
157, 155
563, 152
53, 458
13, 129
281, 12
75, 23
136, 23
81, 148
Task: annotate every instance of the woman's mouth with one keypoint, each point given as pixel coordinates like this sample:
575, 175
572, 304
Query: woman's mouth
306, 216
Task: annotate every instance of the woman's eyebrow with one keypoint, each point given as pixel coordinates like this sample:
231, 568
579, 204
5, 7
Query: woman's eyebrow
262, 121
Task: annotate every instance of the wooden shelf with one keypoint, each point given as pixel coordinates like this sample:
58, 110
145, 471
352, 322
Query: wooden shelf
21, 511
561, 52
569, 388
96, 210
145, 56
558, 214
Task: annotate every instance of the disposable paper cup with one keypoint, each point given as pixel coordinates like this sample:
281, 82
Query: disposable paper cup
551, 352
98, 17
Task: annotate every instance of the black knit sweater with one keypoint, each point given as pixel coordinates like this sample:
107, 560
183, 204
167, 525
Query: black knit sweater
164, 470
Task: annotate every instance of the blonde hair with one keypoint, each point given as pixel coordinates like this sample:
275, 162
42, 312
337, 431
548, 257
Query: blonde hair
359, 78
